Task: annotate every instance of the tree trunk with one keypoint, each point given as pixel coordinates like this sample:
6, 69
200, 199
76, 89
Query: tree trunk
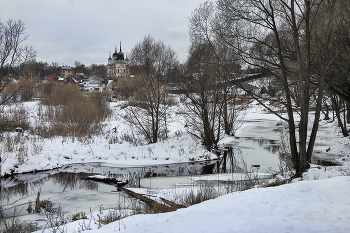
336, 109
348, 111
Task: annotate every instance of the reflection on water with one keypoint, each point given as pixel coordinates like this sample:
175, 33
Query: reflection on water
66, 188
246, 155
21, 189
62, 180
230, 161
71, 181
15, 199
269, 145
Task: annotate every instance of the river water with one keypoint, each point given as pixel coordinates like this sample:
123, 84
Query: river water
65, 188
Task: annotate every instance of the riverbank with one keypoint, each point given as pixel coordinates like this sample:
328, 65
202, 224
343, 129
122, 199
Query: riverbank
306, 206
30, 153
291, 207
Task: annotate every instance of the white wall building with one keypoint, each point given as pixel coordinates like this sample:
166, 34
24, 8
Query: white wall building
117, 67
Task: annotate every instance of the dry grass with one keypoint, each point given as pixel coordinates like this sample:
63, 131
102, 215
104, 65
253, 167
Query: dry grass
205, 192
67, 112
277, 182
70, 112
16, 226
15, 116
111, 216
210, 190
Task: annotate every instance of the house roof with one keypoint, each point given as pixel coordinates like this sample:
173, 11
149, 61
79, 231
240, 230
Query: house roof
65, 68
71, 80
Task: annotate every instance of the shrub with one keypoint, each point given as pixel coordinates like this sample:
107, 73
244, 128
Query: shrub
63, 95
70, 112
17, 226
75, 119
100, 100
13, 117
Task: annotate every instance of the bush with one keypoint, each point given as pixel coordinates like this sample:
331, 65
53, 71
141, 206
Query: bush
14, 117
70, 112
75, 119
63, 95
15, 225
100, 100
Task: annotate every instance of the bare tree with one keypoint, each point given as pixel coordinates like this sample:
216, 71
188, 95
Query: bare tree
80, 68
338, 72
277, 36
100, 70
150, 61
203, 112
211, 112
12, 52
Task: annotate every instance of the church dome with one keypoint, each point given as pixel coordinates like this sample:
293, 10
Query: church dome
119, 56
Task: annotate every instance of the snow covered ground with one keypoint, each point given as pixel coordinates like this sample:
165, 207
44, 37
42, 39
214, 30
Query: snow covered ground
316, 203
307, 206
42, 154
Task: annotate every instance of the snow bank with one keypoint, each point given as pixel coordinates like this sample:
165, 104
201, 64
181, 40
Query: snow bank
306, 206
43, 154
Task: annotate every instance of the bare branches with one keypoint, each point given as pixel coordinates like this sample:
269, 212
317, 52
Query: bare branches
11, 39
12, 52
288, 40
151, 61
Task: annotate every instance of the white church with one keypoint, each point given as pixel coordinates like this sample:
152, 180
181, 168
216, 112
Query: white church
117, 67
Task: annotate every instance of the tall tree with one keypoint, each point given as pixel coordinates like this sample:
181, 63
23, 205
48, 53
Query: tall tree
338, 72
211, 111
100, 70
204, 111
12, 52
150, 61
277, 36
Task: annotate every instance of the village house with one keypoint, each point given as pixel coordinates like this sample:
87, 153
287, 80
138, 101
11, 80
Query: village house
94, 83
66, 72
79, 76
70, 81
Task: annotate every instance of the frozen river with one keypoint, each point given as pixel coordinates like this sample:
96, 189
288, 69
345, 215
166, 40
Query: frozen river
65, 188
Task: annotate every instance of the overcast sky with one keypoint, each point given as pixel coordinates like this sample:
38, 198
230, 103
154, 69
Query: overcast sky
65, 31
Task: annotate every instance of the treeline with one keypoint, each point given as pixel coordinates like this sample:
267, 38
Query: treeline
40, 70
210, 104
302, 44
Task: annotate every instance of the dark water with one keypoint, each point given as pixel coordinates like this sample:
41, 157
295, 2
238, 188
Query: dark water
65, 187
246, 155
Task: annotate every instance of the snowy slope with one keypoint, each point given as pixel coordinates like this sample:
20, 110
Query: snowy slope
42, 154
305, 206
308, 205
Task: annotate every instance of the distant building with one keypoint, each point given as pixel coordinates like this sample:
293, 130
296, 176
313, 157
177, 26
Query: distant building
70, 81
66, 72
117, 67
95, 79
79, 76
54, 78
94, 83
